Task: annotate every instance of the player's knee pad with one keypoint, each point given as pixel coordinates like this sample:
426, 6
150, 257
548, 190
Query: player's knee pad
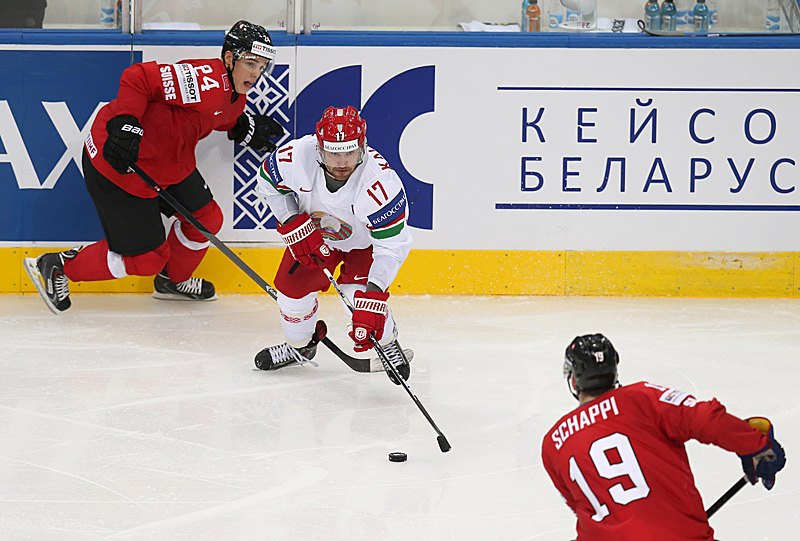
299, 307
148, 263
210, 216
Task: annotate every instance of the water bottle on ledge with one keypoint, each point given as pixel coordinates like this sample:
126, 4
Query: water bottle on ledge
683, 15
531, 16
652, 15
713, 14
772, 11
700, 16
669, 16
108, 14
555, 15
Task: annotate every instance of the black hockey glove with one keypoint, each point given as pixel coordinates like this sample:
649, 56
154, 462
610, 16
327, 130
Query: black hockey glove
122, 146
255, 131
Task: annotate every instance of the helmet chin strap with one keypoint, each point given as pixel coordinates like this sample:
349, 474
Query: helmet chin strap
572, 389
234, 58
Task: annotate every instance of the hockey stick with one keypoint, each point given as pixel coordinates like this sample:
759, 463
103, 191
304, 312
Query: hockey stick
444, 445
359, 365
737, 486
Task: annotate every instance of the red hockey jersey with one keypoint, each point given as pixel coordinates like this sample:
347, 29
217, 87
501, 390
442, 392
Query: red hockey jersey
620, 463
177, 105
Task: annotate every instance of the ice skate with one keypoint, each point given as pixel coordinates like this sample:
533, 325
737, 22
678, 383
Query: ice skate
47, 274
275, 357
193, 289
399, 359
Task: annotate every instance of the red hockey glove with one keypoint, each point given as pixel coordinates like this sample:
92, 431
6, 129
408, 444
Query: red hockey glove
305, 241
766, 462
369, 317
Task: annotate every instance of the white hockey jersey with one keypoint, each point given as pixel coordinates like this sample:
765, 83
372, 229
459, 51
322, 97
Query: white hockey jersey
370, 209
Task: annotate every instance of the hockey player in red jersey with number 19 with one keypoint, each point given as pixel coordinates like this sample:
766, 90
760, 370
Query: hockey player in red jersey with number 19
336, 201
160, 114
619, 459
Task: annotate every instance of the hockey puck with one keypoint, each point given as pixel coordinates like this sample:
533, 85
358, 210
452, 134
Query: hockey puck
398, 457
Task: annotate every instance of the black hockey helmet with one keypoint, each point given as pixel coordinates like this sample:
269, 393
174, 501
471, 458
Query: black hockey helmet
592, 361
247, 38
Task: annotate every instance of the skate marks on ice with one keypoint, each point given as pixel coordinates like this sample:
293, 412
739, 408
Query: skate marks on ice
130, 418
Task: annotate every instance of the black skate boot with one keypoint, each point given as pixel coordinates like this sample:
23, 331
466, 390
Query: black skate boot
47, 274
276, 357
399, 359
193, 289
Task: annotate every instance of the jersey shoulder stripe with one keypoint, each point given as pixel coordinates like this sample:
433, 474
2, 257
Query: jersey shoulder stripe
269, 172
389, 232
390, 219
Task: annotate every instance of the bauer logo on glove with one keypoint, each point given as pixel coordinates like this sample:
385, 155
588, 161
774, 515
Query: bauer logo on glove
136, 130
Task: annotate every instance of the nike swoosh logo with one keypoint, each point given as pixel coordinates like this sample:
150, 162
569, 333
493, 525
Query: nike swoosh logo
217, 113
303, 190
360, 277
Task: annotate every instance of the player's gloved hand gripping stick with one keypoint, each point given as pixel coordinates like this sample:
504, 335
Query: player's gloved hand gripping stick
122, 145
369, 318
444, 445
304, 241
255, 132
763, 464
359, 365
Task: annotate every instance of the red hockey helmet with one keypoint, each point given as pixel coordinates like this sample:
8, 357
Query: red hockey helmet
341, 130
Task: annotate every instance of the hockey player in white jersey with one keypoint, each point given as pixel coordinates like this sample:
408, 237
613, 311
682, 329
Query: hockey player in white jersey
336, 201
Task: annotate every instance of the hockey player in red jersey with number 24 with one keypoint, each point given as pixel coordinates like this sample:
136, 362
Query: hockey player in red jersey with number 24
619, 460
160, 114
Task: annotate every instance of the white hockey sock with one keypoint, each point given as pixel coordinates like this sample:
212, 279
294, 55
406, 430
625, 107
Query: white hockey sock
298, 318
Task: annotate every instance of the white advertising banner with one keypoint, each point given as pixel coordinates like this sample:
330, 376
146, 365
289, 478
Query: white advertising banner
558, 149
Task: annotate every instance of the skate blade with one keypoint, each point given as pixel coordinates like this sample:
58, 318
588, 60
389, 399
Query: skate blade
33, 272
178, 297
375, 365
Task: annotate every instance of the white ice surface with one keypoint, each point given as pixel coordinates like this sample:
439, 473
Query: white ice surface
132, 418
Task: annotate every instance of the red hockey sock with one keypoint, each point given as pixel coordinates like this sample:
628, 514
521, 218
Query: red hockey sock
90, 265
187, 245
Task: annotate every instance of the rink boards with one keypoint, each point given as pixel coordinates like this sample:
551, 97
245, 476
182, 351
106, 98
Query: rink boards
497, 272
557, 164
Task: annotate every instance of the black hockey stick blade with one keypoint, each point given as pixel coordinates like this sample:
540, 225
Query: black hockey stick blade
353, 362
444, 445
359, 365
737, 486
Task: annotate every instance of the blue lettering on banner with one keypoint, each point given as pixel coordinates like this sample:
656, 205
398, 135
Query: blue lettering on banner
774, 176
46, 110
390, 212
